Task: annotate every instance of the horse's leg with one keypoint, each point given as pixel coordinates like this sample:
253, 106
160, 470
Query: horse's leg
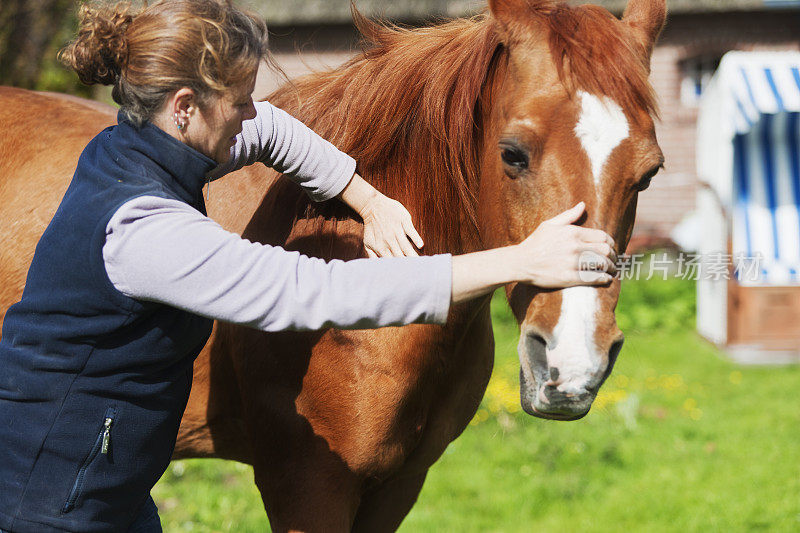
212, 424
305, 487
460, 392
385, 508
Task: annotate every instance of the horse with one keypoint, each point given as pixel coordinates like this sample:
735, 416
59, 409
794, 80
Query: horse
483, 128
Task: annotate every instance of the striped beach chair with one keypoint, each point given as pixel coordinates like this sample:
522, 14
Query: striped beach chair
748, 158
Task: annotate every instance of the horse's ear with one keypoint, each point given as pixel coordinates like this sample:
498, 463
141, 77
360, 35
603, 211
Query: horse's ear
647, 19
507, 12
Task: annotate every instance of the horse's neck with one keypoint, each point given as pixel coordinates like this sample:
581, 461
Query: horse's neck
417, 142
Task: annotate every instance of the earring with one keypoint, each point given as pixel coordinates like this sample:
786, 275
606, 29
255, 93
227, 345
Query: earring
179, 122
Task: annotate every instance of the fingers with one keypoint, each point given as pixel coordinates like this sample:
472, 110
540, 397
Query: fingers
411, 231
389, 248
601, 249
393, 244
569, 216
594, 262
395, 250
594, 278
595, 235
407, 249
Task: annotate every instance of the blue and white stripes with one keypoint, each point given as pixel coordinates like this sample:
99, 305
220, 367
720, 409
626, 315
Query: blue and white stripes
758, 115
765, 90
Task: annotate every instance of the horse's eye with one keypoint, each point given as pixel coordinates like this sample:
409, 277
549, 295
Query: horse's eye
515, 158
644, 183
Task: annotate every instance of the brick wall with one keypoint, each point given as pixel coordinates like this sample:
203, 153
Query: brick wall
672, 194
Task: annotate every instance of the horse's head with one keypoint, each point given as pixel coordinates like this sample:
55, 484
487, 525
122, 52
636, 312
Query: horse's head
571, 121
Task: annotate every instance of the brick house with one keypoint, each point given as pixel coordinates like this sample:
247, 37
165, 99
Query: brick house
697, 34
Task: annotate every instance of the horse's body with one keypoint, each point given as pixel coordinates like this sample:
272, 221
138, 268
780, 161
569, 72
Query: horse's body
342, 426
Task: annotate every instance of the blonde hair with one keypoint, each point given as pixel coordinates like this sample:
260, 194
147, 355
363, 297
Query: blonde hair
206, 45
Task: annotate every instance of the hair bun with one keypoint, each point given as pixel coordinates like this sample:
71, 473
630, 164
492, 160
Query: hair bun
100, 52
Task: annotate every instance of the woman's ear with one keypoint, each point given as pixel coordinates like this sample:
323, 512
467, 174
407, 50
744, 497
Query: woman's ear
183, 102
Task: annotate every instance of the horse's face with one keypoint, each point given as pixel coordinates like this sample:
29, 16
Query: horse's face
551, 143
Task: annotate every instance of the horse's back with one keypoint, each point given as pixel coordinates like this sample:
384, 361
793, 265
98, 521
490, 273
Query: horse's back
42, 137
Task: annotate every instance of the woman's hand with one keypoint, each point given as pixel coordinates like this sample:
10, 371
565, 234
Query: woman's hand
559, 255
556, 255
388, 229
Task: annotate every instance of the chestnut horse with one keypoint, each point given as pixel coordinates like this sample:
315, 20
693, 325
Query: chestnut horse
483, 128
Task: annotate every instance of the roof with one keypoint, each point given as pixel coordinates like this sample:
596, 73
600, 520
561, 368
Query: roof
281, 12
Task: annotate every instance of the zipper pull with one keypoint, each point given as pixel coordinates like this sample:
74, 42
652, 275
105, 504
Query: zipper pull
208, 189
106, 435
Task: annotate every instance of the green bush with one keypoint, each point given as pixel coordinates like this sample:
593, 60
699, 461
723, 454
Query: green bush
657, 304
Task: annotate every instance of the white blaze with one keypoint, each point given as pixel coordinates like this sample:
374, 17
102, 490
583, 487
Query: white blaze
601, 128
573, 351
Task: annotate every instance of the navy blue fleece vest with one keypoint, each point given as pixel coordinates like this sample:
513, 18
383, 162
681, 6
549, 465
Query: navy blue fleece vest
93, 383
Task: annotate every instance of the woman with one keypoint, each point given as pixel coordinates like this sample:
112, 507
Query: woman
120, 296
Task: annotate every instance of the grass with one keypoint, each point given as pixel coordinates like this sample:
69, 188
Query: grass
678, 440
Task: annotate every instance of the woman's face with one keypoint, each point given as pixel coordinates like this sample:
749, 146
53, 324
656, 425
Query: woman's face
212, 129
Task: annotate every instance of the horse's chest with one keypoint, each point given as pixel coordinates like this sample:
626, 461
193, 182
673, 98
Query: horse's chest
406, 418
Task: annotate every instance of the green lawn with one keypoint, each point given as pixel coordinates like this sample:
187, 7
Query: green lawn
678, 440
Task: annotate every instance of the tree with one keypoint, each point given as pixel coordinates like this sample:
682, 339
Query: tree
31, 32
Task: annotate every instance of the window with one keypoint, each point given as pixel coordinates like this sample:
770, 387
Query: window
696, 73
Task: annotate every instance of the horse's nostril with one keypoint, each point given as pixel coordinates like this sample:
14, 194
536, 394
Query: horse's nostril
613, 353
616, 347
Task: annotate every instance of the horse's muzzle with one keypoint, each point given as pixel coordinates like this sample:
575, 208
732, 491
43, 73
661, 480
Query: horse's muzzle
545, 394
546, 401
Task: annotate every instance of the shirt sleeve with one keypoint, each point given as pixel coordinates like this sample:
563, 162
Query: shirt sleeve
165, 251
282, 142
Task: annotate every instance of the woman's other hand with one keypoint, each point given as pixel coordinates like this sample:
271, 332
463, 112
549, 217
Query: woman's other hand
388, 229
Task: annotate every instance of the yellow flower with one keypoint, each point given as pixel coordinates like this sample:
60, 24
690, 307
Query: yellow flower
481, 416
502, 395
607, 398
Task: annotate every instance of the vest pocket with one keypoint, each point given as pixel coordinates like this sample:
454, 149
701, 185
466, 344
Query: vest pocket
101, 446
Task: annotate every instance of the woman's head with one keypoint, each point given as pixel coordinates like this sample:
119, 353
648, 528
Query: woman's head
208, 50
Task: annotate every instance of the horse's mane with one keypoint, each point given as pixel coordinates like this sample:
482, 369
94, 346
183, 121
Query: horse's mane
405, 109
408, 109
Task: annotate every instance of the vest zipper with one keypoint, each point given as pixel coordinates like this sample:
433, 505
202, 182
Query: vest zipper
106, 435
101, 445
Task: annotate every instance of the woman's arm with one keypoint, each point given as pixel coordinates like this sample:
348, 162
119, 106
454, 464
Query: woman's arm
279, 140
282, 142
163, 250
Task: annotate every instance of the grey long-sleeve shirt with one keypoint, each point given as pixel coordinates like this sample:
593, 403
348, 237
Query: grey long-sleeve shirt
163, 250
